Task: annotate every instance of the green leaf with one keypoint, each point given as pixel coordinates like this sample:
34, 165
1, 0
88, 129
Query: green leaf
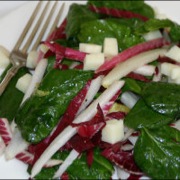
11, 98
95, 32
132, 85
101, 168
77, 15
143, 116
154, 24
175, 32
163, 98
40, 113
156, 152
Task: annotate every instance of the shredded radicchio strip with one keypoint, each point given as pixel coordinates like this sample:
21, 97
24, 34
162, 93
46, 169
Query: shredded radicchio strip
117, 12
58, 33
123, 160
63, 52
115, 115
138, 77
25, 157
5, 131
90, 128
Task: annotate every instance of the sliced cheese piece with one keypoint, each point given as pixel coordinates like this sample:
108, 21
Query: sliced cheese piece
32, 60
43, 48
175, 73
152, 35
172, 71
23, 82
174, 53
93, 61
113, 131
90, 48
110, 47
166, 68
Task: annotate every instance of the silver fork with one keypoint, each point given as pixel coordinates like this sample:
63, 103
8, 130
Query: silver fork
18, 55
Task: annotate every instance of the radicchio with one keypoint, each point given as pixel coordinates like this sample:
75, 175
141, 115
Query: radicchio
138, 77
64, 52
123, 159
117, 12
5, 131
58, 33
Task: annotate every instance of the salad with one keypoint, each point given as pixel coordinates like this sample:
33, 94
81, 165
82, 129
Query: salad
101, 95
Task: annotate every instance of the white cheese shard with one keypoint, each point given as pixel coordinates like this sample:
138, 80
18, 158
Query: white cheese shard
152, 35
174, 53
23, 82
32, 60
110, 47
175, 74
166, 68
90, 48
43, 48
113, 131
93, 61
172, 71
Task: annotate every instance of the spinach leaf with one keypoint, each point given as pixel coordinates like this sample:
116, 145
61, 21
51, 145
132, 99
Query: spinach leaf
154, 24
132, 85
156, 152
135, 6
41, 112
143, 116
101, 168
163, 98
11, 98
77, 15
95, 32
175, 32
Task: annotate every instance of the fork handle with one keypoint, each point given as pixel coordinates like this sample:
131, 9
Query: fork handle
11, 72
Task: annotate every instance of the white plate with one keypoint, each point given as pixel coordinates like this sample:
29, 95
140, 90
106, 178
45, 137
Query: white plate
13, 15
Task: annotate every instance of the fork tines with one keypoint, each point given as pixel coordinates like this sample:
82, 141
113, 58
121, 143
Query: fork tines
43, 21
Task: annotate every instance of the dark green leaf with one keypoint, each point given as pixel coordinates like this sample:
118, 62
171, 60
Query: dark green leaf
41, 112
77, 15
95, 32
154, 24
162, 97
157, 152
132, 85
11, 98
175, 33
143, 116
